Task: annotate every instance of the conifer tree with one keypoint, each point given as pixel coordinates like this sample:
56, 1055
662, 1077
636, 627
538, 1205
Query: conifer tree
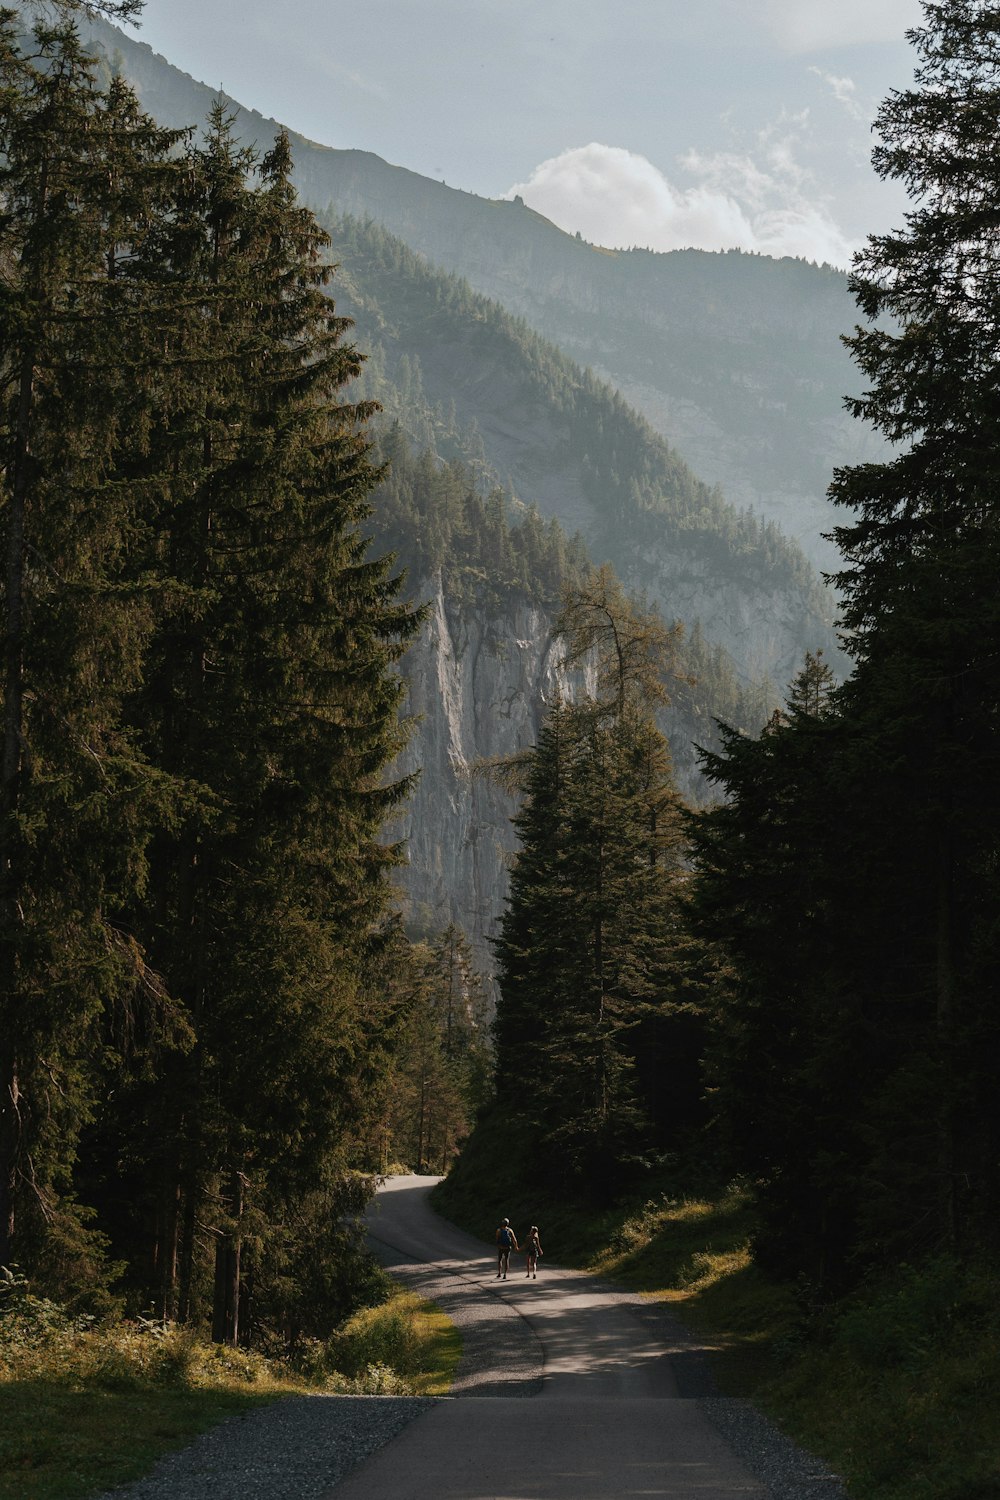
874, 828
76, 797
270, 694
920, 568
587, 952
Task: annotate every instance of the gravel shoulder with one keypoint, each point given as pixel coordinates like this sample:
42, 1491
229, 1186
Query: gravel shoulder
296, 1449
304, 1448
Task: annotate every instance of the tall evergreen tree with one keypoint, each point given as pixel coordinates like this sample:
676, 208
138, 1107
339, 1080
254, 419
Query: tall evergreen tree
76, 797
587, 952
921, 559
884, 811
440, 1073
270, 694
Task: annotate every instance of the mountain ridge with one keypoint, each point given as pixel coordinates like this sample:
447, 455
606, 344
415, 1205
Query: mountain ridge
735, 358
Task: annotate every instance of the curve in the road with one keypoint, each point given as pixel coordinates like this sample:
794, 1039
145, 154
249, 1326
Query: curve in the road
621, 1388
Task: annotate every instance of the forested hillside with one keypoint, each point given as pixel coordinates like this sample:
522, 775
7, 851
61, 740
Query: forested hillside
560, 439
735, 359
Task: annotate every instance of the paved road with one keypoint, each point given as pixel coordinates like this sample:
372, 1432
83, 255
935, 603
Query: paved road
582, 1392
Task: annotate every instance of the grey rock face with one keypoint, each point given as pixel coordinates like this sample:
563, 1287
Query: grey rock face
479, 687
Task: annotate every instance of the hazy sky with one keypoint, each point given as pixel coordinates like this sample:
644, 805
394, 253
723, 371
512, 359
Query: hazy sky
652, 122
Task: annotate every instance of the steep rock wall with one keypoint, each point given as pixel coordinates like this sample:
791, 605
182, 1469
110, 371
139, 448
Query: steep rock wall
479, 686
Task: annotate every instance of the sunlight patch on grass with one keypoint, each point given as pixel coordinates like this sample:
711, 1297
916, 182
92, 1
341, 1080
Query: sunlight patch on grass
85, 1409
404, 1347
676, 1248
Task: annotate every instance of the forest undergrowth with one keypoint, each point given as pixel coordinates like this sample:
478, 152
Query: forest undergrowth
88, 1405
896, 1386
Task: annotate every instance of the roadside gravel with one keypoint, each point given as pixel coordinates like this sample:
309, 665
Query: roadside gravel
786, 1469
297, 1449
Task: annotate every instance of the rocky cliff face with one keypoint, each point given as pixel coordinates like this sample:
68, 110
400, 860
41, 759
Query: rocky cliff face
478, 687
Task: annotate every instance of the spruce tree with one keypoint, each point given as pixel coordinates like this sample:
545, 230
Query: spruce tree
271, 695
587, 954
77, 799
919, 580
853, 873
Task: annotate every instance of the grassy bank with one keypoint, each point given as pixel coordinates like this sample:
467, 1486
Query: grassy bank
85, 1408
897, 1387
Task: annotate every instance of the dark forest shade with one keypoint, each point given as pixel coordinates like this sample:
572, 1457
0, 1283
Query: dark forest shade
78, 797
853, 873
200, 705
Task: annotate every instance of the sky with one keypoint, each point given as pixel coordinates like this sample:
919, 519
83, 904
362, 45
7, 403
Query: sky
660, 123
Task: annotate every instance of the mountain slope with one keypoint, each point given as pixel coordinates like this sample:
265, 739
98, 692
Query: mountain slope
467, 379
734, 358
567, 443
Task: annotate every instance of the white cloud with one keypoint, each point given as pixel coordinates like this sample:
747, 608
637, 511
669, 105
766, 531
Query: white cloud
845, 91
810, 25
617, 198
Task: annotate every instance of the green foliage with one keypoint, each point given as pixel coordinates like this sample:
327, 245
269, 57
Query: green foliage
85, 1407
200, 708
405, 1347
898, 1386
78, 798
850, 878
439, 1072
919, 563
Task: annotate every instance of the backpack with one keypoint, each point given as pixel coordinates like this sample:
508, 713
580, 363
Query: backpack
506, 1239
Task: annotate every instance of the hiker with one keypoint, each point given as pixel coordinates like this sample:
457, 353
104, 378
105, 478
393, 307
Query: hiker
533, 1249
506, 1242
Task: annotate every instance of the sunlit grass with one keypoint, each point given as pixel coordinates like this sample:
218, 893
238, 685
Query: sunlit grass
410, 1345
83, 1410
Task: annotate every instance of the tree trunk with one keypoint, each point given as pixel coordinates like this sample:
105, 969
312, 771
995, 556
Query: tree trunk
945, 1025
228, 1246
190, 1186
11, 765
168, 1241
9, 1142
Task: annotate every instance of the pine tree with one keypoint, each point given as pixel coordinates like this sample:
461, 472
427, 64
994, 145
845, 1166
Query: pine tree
77, 799
271, 694
587, 953
919, 581
780, 897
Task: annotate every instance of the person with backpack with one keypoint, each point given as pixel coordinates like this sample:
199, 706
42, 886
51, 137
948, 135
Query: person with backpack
506, 1242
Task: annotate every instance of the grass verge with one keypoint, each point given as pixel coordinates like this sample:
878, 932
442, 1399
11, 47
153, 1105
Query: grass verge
411, 1346
85, 1409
